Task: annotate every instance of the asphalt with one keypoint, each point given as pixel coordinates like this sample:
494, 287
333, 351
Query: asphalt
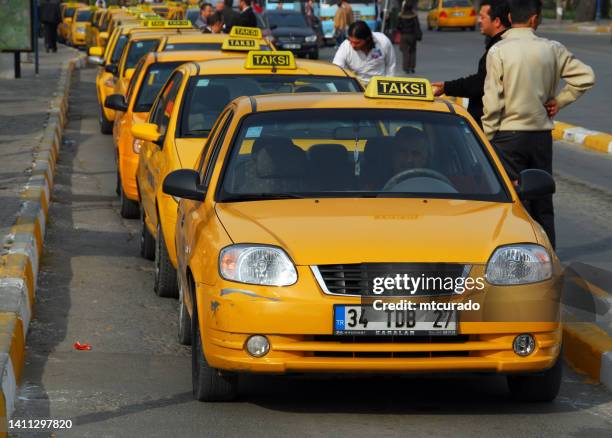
135, 381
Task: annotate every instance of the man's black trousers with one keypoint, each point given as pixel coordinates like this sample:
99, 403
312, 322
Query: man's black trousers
50, 36
520, 150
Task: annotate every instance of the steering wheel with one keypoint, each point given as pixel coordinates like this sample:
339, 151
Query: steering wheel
415, 173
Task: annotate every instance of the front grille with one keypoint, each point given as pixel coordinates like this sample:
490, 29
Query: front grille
290, 40
358, 278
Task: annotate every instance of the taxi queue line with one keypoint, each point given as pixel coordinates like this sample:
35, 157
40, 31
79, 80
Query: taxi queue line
257, 291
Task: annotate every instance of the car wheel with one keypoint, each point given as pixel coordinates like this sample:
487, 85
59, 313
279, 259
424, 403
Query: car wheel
184, 325
165, 274
473, 28
429, 25
147, 242
209, 384
540, 387
106, 127
437, 28
129, 209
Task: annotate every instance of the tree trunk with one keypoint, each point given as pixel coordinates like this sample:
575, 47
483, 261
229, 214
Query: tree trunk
585, 10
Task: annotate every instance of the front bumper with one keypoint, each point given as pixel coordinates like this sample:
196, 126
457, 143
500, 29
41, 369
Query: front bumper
298, 321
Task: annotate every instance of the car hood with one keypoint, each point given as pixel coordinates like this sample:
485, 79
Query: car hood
295, 31
329, 231
188, 150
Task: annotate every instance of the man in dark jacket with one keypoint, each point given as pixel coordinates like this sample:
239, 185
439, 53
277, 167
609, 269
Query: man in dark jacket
229, 15
247, 16
50, 17
493, 22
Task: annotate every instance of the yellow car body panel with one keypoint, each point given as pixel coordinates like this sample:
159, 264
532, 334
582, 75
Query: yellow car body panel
127, 158
452, 17
297, 319
77, 35
156, 163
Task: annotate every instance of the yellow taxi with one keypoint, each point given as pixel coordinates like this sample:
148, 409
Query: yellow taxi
452, 14
93, 31
182, 118
362, 233
105, 26
127, 45
67, 11
79, 27
133, 107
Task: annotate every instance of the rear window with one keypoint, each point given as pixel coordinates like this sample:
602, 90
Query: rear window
207, 96
154, 79
456, 4
358, 153
137, 50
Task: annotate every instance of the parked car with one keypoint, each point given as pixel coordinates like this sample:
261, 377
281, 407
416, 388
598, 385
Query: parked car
290, 31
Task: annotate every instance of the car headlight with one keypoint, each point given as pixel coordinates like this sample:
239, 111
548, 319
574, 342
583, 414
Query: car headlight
310, 38
80, 30
257, 264
519, 264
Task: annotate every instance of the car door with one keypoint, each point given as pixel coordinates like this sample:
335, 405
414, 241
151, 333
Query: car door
151, 153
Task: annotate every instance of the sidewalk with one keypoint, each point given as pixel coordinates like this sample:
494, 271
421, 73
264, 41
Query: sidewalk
550, 25
24, 111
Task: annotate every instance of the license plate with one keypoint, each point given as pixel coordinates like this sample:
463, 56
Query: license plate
354, 320
457, 14
292, 46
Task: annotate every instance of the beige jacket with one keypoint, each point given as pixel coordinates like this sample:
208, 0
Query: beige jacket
344, 17
523, 73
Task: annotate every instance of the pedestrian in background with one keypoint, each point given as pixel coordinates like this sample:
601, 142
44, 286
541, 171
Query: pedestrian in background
247, 16
206, 11
342, 20
215, 23
520, 98
366, 53
229, 15
410, 32
493, 20
50, 17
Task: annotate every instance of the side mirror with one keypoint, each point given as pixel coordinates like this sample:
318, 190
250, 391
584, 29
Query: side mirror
96, 51
535, 184
129, 73
183, 183
116, 102
112, 69
146, 132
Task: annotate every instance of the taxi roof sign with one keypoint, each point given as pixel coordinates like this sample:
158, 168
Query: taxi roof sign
246, 32
399, 88
266, 59
174, 24
240, 44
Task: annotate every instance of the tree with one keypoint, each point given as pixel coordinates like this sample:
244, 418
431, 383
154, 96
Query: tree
585, 10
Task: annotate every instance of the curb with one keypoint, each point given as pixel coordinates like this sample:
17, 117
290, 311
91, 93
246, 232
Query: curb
577, 28
588, 349
19, 261
594, 140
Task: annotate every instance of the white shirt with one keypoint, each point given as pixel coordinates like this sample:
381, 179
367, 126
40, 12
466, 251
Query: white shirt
379, 62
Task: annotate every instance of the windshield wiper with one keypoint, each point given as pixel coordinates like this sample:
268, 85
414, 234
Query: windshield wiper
261, 197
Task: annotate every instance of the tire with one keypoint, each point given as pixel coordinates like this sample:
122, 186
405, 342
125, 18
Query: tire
429, 25
184, 325
129, 209
165, 274
540, 387
147, 242
106, 127
209, 384
473, 28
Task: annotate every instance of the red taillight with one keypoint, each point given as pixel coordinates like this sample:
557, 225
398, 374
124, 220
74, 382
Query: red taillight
472, 12
443, 14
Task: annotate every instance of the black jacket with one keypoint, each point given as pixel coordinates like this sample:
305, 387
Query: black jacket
49, 12
229, 17
246, 18
472, 86
410, 26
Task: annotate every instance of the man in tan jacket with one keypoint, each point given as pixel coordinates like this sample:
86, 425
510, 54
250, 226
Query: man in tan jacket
520, 98
342, 20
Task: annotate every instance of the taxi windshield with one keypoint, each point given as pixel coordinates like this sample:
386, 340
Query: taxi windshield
207, 96
83, 16
154, 79
137, 50
69, 12
358, 153
286, 20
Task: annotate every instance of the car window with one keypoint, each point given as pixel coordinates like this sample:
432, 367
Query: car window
456, 3
83, 16
118, 50
154, 79
359, 152
168, 98
212, 148
206, 96
134, 78
137, 50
